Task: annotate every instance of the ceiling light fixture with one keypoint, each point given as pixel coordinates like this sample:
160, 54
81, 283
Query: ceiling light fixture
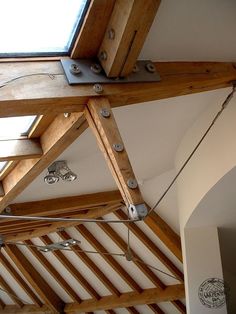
58, 246
57, 170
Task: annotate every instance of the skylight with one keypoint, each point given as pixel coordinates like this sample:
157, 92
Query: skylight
39, 27
15, 127
2, 165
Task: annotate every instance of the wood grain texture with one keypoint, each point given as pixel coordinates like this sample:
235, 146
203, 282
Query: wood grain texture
71, 269
40, 94
12, 295
93, 28
35, 279
53, 227
152, 246
107, 134
131, 21
148, 296
46, 264
165, 234
62, 205
20, 149
19, 280
56, 138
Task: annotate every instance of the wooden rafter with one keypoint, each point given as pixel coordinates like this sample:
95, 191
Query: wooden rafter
62, 205
46, 264
109, 259
126, 31
123, 246
42, 95
136, 259
20, 149
165, 234
5, 286
93, 29
93, 267
19, 280
35, 279
107, 133
74, 272
45, 229
151, 246
148, 296
59, 135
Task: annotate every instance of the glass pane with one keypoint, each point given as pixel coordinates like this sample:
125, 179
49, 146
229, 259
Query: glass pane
2, 165
15, 127
38, 26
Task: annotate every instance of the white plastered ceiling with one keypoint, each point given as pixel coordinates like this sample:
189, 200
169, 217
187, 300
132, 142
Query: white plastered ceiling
183, 30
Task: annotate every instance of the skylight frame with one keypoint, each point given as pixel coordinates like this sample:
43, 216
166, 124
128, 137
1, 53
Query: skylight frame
50, 53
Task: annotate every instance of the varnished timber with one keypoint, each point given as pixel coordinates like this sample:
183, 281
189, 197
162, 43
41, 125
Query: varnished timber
107, 134
74, 271
2, 304
42, 95
108, 258
130, 22
20, 149
56, 138
35, 279
123, 246
5, 286
66, 204
93, 213
89, 263
41, 124
152, 246
148, 296
93, 267
46, 264
1, 190
19, 280
26, 309
93, 29
137, 260
165, 234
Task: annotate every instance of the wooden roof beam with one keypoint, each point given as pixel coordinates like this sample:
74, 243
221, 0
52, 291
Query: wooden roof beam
45, 263
20, 149
74, 272
10, 292
126, 32
152, 246
19, 280
41, 95
63, 205
148, 296
107, 134
35, 279
93, 28
53, 227
123, 246
56, 138
165, 234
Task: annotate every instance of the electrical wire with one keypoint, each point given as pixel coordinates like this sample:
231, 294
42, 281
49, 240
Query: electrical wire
224, 105
50, 75
64, 249
157, 269
55, 219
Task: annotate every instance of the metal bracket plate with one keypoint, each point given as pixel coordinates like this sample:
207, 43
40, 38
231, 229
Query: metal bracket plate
81, 72
138, 211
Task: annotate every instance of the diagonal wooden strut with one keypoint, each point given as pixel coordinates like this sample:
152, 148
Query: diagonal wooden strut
102, 122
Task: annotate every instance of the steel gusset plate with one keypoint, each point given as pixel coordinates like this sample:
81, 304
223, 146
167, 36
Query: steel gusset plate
82, 72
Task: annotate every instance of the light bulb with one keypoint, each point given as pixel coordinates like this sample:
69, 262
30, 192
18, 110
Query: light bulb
51, 178
69, 176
